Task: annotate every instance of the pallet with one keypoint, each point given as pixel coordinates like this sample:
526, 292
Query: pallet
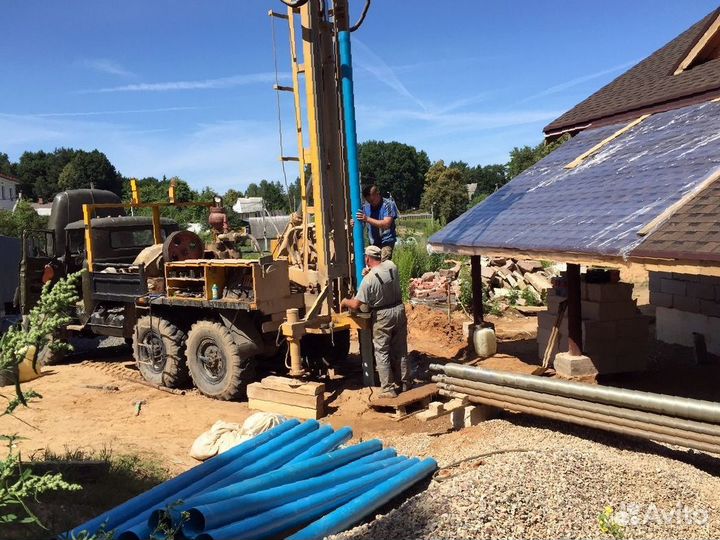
289, 397
420, 396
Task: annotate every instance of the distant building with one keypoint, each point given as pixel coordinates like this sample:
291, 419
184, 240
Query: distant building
8, 191
42, 208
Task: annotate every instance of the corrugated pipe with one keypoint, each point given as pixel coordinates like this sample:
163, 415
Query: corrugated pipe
288, 516
352, 512
213, 516
691, 426
121, 513
607, 423
693, 409
365, 452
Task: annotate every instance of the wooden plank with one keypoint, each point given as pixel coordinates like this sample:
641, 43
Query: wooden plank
305, 413
257, 391
287, 384
442, 409
599, 146
699, 46
406, 398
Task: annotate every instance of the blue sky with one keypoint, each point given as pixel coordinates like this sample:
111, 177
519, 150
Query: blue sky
185, 87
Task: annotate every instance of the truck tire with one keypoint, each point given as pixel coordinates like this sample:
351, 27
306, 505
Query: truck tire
217, 364
159, 351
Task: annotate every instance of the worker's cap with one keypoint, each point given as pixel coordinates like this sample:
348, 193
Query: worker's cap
374, 252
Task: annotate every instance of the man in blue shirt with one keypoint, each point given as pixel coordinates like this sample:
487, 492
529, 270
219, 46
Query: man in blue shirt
379, 214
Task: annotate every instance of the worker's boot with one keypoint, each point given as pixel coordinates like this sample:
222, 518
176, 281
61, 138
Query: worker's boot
386, 383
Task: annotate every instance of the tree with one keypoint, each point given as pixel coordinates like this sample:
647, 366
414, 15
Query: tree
397, 169
445, 194
273, 193
465, 170
23, 218
6, 166
489, 178
525, 157
88, 169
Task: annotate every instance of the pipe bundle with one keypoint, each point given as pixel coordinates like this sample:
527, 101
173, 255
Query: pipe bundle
292, 479
681, 421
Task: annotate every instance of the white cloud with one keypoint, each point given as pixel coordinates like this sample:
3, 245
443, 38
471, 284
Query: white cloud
203, 84
578, 80
105, 65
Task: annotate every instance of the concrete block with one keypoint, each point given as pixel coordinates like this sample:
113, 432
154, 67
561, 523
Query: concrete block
553, 303
711, 308
609, 292
472, 415
701, 290
686, 303
567, 365
655, 278
546, 321
675, 326
658, 298
686, 277
673, 286
710, 280
712, 335
636, 328
606, 311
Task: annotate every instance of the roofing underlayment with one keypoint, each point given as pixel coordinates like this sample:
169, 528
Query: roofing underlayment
598, 207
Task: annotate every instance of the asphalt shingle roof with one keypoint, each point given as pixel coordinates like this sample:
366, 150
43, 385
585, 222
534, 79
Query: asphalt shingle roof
598, 207
650, 83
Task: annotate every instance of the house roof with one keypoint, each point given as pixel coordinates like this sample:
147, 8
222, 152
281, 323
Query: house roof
10, 178
690, 233
599, 206
650, 86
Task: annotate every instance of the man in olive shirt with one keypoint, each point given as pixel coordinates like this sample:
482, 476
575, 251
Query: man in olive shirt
380, 293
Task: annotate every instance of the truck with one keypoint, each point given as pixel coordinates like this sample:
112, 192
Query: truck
206, 315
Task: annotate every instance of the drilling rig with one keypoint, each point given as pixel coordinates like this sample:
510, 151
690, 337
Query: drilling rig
194, 314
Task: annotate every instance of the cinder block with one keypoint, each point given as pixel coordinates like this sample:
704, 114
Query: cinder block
546, 321
658, 298
710, 280
686, 277
553, 303
710, 308
673, 286
655, 278
567, 365
609, 292
472, 415
701, 290
686, 303
606, 311
636, 328
675, 326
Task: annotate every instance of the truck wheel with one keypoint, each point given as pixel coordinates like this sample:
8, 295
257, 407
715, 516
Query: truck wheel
217, 365
159, 351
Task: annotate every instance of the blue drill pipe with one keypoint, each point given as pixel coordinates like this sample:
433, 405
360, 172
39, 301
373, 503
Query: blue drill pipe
274, 455
350, 513
288, 516
329, 444
212, 516
348, 100
367, 452
128, 510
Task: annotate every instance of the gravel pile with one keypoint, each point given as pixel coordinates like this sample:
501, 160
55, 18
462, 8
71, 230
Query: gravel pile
533, 482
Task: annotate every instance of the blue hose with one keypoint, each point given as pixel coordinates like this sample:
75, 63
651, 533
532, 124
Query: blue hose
350, 513
329, 444
128, 510
367, 452
288, 516
348, 100
212, 516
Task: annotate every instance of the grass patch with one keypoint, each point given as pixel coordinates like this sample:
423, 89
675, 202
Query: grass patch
107, 479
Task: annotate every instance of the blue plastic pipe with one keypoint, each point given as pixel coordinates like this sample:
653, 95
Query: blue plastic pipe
288, 516
275, 454
350, 513
328, 444
130, 509
213, 516
366, 452
348, 100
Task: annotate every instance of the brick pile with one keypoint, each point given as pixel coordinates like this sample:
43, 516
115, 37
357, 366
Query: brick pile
615, 334
432, 287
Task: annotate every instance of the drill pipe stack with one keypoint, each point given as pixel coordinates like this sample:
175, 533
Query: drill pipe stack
293, 478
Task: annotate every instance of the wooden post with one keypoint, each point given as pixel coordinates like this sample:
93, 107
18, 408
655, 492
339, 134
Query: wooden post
476, 278
574, 310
